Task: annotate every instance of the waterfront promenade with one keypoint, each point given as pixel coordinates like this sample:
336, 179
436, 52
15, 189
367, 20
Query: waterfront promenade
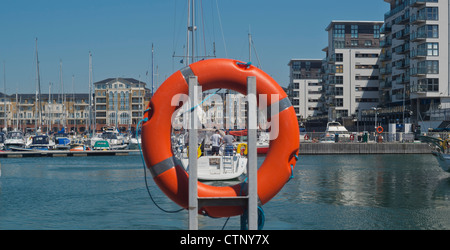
364, 148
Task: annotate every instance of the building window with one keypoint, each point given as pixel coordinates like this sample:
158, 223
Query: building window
431, 84
124, 118
339, 44
127, 101
376, 31
354, 43
339, 31
429, 67
296, 76
339, 57
122, 101
354, 31
368, 43
339, 68
111, 101
432, 49
431, 31
112, 118
430, 13
296, 65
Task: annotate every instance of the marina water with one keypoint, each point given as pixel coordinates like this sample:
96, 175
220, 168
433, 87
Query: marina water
395, 192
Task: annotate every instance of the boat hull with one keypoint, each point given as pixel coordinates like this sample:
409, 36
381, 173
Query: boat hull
219, 168
444, 160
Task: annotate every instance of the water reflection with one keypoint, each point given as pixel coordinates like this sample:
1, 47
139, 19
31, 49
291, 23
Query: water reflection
369, 180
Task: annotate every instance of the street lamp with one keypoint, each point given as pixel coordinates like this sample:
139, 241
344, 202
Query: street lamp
376, 113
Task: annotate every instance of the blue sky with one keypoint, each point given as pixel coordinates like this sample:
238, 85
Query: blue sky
120, 35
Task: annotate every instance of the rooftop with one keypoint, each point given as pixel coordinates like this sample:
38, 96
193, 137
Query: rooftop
352, 22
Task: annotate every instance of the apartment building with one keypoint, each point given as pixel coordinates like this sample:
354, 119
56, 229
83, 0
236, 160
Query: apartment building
120, 102
305, 87
351, 68
415, 59
57, 111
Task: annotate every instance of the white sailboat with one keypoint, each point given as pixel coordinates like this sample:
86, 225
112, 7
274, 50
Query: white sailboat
226, 166
219, 168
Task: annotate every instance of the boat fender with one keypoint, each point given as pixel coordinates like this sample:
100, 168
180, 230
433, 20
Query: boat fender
199, 152
239, 148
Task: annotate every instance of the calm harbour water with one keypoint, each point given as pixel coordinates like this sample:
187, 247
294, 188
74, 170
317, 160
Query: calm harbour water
378, 192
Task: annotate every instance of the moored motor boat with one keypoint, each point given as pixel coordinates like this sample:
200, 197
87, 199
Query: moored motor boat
441, 150
14, 140
41, 142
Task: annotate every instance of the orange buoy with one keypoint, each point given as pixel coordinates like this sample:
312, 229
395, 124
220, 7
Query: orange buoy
172, 179
379, 129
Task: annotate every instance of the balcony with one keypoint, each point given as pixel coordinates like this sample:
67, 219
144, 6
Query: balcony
405, 35
416, 3
419, 88
404, 18
331, 59
402, 79
418, 36
386, 29
417, 72
386, 57
419, 53
395, 11
386, 84
385, 71
404, 64
385, 43
399, 96
417, 18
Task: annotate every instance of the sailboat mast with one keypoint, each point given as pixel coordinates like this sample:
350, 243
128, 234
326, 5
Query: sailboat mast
187, 34
153, 75
90, 92
63, 96
38, 94
193, 30
5, 128
50, 108
249, 45
73, 106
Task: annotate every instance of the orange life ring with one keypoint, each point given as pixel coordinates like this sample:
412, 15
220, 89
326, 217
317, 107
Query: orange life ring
379, 130
275, 171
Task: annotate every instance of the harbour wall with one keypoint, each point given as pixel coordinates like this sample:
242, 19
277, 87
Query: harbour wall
364, 148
